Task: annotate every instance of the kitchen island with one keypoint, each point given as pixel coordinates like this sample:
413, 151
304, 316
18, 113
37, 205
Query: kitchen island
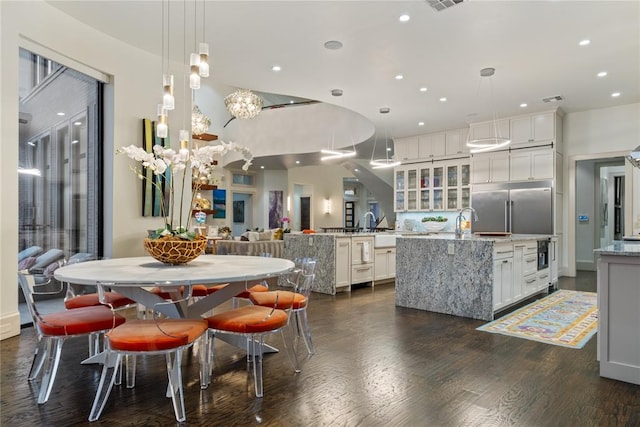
473, 276
619, 311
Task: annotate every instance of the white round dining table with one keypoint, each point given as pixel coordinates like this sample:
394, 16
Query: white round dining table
132, 277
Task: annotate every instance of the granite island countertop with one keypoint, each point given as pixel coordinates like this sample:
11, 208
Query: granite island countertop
620, 248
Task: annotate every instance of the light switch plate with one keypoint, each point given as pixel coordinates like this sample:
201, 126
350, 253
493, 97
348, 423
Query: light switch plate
450, 249
310, 241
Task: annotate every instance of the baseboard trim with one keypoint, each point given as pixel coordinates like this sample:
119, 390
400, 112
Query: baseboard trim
10, 325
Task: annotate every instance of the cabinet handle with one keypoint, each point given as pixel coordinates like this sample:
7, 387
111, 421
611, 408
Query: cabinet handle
389, 251
531, 281
504, 252
363, 269
520, 246
531, 260
505, 261
544, 277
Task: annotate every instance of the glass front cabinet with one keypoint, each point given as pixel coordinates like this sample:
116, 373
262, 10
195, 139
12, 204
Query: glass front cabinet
432, 186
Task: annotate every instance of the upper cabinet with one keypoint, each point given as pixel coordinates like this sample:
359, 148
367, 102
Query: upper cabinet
431, 145
531, 164
485, 130
405, 148
490, 167
533, 129
456, 143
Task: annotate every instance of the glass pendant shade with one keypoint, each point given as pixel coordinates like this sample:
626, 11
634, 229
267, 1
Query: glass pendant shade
194, 78
162, 130
168, 101
204, 59
184, 144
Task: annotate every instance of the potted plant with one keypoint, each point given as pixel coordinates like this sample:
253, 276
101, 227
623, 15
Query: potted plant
434, 223
175, 209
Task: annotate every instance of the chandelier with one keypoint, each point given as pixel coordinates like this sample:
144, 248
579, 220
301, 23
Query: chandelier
243, 104
199, 122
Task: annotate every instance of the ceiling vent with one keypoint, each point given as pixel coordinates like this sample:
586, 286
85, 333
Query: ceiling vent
553, 98
440, 5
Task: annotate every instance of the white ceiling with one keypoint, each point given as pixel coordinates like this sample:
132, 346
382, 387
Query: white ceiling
532, 44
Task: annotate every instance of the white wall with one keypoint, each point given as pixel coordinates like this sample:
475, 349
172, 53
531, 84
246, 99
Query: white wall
327, 182
593, 134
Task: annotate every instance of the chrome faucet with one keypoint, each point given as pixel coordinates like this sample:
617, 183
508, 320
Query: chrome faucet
459, 220
366, 227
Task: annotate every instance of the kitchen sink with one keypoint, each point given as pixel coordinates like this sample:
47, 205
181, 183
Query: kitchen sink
384, 240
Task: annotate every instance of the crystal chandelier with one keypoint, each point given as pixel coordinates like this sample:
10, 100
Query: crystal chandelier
199, 122
243, 104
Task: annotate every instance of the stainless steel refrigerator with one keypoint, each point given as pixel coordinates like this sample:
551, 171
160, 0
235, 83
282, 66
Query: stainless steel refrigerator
524, 208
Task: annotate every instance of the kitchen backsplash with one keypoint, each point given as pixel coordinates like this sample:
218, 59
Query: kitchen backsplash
412, 221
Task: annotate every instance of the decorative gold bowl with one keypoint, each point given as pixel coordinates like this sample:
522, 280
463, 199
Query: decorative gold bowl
173, 250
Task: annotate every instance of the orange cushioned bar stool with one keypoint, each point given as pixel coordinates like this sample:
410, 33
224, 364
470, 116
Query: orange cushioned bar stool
113, 299
243, 295
253, 322
54, 328
166, 336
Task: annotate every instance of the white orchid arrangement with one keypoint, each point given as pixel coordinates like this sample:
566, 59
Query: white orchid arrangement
200, 160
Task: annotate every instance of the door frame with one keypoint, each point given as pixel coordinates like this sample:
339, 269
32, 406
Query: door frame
570, 185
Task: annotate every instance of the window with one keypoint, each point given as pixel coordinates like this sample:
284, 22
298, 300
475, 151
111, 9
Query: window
60, 158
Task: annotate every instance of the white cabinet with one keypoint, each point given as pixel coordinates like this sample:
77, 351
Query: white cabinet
531, 129
431, 145
406, 148
525, 263
553, 262
491, 129
542, 280
385, 264
502, 276
491, 167
406, 188
362, 256
531, 164
456, 142
343, 262
458, 189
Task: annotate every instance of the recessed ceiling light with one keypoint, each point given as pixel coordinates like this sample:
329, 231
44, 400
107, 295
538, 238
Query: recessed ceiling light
31, 143
291, 101
584, 42
443, 99
75, 141
423, 89
420, 123
523, 105
615, 94
77, 123
388, 148
602, 74
399, 77
297, 162
356, 170
276, 68
61, 113
261, 167
404, 18
333, 45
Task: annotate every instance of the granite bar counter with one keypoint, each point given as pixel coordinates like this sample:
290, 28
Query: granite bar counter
450, 275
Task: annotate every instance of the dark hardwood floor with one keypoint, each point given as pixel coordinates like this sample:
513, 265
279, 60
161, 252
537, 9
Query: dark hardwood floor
376, 365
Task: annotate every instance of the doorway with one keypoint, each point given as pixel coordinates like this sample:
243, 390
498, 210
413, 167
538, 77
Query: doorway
241, 213
305, 212
599, 205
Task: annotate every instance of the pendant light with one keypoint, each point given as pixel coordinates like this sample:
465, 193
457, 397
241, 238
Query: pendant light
385, 162
332, 153
494, 141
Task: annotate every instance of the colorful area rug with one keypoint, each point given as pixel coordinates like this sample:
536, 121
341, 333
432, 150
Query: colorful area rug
565, 318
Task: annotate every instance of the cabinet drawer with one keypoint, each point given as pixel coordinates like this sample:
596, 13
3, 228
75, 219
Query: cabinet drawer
530, 264
530, 284
362, 250
361, 273
543, 279
502, 251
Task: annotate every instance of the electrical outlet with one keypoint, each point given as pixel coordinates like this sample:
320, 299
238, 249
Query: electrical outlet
310, 241
451, 249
